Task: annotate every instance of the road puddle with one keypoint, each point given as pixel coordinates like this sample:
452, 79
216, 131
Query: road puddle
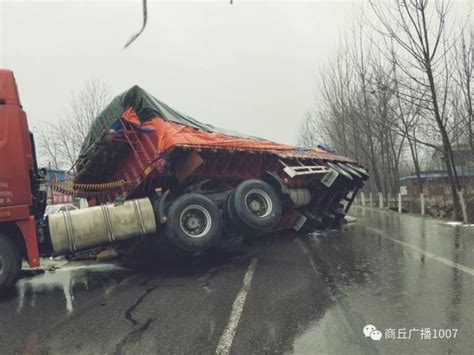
68, 280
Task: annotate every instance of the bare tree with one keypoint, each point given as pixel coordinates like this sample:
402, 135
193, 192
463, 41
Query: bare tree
464, 69
354, 111
407, 110
419, 30
308, 131
61, 141
49, 148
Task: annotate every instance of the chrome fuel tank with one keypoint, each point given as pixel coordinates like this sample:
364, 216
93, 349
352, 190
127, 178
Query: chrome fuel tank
72, 231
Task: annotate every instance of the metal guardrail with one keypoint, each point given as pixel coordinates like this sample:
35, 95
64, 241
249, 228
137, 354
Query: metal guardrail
421, 204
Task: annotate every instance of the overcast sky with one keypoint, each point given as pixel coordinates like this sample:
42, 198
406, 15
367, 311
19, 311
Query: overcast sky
250, 66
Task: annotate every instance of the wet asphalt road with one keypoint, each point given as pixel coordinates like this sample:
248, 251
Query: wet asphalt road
283, 294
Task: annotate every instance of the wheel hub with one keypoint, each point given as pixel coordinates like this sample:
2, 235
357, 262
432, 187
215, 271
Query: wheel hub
195, 221
255, 206
259, 203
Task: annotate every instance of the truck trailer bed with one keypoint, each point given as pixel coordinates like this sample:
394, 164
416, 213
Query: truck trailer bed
140, 147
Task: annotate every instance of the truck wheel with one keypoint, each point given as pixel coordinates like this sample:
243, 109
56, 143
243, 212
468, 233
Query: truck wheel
194, 222
10, 262
255, 204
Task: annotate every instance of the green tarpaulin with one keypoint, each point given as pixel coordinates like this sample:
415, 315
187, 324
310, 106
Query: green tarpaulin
146, 107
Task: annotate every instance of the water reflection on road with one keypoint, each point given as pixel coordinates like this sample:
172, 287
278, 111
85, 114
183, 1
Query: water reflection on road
394, 271
68, 280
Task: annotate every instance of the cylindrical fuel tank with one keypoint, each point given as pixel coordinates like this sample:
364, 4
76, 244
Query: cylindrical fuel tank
300, 196
87, 228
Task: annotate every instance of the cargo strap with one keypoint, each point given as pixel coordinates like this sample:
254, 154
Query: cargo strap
71, 236
139, 217
108, 222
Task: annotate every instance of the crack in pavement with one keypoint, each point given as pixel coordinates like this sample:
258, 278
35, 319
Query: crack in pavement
135, 334
128, 312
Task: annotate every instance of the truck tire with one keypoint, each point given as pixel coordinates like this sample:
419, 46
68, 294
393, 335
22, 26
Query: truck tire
10, 262
194, 222
236, 223
255, 205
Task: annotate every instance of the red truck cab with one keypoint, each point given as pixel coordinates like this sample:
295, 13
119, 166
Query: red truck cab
22, 202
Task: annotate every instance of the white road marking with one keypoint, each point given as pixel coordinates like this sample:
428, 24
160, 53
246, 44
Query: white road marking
225, 342
428, 254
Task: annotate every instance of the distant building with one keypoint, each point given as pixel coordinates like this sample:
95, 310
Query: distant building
463, 159
435, 182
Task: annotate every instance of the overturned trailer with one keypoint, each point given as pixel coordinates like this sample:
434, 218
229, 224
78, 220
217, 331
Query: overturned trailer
207, 183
